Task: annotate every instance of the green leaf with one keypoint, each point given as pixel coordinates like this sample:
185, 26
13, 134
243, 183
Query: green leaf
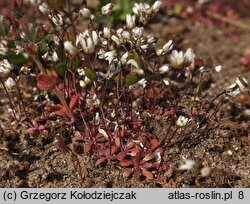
60, 69
138, 59
131, 78
32, 32
90, 74
76, 63
16, 59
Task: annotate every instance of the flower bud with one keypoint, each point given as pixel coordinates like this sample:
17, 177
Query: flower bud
68, 46
57, 19
156, 6
138, 32
44, 8
182, 121
95, 37
130, 20
10, 83
106, 32
107, 9
163, 69
5, 68
85, 12
242, 83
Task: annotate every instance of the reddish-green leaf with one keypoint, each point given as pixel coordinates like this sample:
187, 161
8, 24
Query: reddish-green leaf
100, 161
149, 156
46, 81
147, 165
73, 101
147, 174
126, 163
58, 110
114, 149
121, 156
87, 148
118, 142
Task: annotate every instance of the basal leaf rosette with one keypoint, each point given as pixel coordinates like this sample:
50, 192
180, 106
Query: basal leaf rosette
47, 81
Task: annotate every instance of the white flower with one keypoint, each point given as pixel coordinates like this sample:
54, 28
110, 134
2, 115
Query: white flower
107, 9
141, 84
124, 58
3, 47
5, 68
104, 133
218, 68
10, 82
114, 69
165, 49
86, 42
203, 1
119, 33
151, 40
166, 81
176, 58
189, 56
182, 121
18, 49
95, 37
57, 19
188, 165
233, 90
106, 32
116, 39
23, 35
163, 69
85, 82
144, 47
81, 72
110, 56
139, 71
68, 46
137, 32
133, 63
97, 117
51, 56
44, 8
25, 70
139, 8
143, 11
101, 53
156, 6
126, 35
130, 21
93, 100
168, 46
85, 12
242, 83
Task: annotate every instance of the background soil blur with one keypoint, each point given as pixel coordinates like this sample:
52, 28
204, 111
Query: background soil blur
37, 162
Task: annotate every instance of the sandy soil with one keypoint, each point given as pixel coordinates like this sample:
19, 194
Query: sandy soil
37, 162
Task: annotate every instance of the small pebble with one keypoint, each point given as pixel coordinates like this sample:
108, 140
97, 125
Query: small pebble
205, 171
229, 152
